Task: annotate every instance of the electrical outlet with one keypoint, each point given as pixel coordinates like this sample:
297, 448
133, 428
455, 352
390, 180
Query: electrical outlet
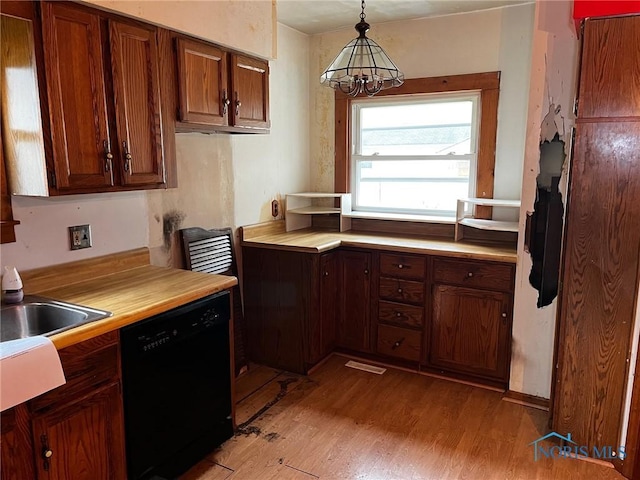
80, 237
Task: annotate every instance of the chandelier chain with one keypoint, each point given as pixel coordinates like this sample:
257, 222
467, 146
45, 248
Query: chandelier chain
362, 14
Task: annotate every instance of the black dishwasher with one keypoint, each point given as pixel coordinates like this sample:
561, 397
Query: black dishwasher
176, 387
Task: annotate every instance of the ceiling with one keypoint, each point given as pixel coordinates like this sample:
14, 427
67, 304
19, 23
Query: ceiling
318, 16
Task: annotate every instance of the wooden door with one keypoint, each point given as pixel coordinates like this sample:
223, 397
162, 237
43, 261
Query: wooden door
202, 83
600, 282
610, 69
134, 61
329, 294
82, 440
470, 331
250, 84
354, 320
77, 99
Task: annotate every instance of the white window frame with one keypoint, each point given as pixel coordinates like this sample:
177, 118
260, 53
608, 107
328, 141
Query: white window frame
356, 156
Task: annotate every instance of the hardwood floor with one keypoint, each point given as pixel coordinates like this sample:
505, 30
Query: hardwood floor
341, 423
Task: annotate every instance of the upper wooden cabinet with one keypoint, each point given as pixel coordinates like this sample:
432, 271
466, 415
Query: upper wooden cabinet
212, 94
610, 68
100, 144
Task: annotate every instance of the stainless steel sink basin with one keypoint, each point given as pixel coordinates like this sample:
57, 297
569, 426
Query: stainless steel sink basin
43, 316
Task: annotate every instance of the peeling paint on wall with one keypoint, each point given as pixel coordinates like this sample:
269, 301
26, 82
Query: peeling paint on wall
171, 223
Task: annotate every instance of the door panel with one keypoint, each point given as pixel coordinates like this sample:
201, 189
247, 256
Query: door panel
354, 325
600, 282
202, 71
77, 99
470, 331
134, 59
250, 83
84, 439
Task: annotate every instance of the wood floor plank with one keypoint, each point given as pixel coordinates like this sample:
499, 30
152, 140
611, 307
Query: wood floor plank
341, 423
255, 378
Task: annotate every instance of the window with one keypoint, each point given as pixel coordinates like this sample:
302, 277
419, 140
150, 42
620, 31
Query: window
414, 155
419, 147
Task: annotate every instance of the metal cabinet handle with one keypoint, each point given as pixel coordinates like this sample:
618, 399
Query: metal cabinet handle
108, 156
397, 344
470, 274
399, 290
400, 265
398, 314
326, 274
127, 157
225, 102
504, 318
238, 105
47, 453
366, 271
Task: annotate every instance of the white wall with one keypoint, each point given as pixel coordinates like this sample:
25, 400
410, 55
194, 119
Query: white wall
553, 80
118, 222
498, 39
247, 25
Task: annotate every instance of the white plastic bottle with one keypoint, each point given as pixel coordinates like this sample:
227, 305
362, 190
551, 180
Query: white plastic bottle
12, 286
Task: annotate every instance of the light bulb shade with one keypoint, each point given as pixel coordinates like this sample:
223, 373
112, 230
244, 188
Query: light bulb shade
362, 66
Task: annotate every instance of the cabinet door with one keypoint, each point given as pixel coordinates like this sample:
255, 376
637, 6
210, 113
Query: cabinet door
16, 448
354, 323
250, 84
610, 68
329, 294
82, 440
77, 99
134, 60
202, 83
471, 331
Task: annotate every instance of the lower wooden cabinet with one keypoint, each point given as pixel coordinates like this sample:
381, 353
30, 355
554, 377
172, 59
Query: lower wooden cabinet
75, 431
83, 439
445, 315
471, 331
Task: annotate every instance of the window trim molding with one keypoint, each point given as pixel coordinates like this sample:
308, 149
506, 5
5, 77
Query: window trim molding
487, 83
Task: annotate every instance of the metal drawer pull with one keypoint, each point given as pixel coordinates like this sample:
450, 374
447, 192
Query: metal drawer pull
470, 274
366, 271
397, 344
504, 315
399, 290
326, 274
398, 314
400, 265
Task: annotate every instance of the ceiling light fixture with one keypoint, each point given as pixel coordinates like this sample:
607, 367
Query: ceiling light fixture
362, 66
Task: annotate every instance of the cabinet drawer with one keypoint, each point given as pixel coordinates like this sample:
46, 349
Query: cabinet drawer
399, 342
401, 290
85, 365
401, 314
402, 266
473, 274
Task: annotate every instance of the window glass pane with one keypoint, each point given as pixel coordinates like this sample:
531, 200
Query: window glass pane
426, 128
431, 186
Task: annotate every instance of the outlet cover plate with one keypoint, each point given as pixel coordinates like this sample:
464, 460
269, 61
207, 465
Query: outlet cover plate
80, 237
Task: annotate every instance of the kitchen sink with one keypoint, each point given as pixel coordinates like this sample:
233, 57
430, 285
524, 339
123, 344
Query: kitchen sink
37, 315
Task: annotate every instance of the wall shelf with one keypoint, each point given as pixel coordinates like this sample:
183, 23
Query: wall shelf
300, 208
494, 225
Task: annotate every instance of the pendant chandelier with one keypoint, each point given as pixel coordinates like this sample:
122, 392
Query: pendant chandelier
362, 66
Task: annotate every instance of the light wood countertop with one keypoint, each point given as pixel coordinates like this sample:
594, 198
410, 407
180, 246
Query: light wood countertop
132, 294
319, 241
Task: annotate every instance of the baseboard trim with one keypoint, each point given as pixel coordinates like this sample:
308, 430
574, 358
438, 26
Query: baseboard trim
526, 400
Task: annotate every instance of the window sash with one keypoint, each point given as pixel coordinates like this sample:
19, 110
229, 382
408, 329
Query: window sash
357, 158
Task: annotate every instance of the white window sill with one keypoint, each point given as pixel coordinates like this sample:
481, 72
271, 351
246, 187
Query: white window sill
405, 217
